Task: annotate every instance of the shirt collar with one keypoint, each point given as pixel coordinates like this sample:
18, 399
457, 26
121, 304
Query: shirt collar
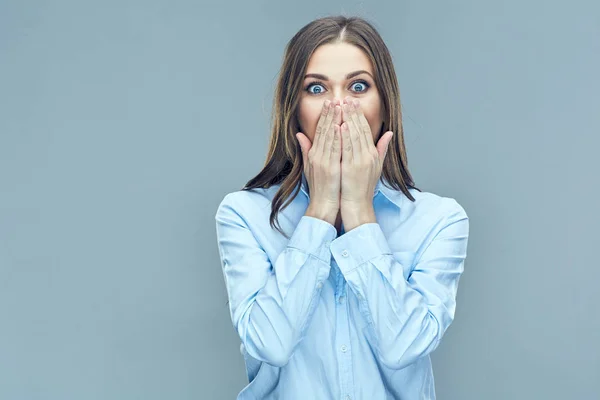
392, 195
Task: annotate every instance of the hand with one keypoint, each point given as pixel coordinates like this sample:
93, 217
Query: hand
322, 166
362, 163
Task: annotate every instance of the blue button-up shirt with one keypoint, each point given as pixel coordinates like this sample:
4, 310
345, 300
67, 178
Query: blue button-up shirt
354, 316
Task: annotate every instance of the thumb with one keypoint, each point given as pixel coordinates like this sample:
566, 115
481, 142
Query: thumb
305, 145
383, 144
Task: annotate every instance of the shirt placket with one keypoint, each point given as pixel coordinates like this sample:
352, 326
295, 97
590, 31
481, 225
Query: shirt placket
343, 348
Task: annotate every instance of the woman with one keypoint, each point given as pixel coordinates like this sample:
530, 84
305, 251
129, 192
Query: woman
347, 297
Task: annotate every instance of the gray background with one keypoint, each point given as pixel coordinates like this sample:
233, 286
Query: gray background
124, 123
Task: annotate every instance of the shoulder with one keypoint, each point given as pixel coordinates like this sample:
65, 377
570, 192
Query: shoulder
430, 205
436, 201
243, 202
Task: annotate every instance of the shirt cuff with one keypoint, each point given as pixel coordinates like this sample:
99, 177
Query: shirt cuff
313, 236
358, 246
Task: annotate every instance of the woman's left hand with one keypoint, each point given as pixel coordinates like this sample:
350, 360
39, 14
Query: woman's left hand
362, 163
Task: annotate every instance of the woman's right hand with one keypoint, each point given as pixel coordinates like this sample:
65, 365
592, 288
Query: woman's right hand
322, 163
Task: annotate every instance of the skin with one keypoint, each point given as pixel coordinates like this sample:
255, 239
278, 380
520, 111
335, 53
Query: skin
335, 61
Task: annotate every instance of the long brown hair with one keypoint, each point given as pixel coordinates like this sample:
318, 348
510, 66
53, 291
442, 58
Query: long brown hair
284, 159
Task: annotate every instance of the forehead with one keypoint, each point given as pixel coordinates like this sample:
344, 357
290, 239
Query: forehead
336, 60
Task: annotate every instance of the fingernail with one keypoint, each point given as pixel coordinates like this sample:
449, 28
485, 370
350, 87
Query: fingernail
327, 102
356, 103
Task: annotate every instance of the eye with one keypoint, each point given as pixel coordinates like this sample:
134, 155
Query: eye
311, 85
361, 85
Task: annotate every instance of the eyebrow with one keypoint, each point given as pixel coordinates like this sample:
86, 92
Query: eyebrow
350, 75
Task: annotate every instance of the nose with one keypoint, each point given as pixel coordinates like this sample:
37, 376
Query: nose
338, 95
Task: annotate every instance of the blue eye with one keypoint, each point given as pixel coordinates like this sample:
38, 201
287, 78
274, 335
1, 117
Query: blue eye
309, 86
361, 83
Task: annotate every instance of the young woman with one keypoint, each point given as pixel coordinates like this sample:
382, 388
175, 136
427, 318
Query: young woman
348, 296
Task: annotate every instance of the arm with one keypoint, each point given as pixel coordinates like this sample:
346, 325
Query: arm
407, 318
271, 305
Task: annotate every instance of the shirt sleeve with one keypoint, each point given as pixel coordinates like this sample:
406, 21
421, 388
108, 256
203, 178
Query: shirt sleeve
272, 303
407, 317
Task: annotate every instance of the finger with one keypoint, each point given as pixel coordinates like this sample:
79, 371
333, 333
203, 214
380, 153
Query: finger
383, 145
336, 149
364, 125
336, 116
319, 129
337, 120
352, 133
347, 146
305, 146
362, 134
328, 140
325, 128
326, 132
350, 113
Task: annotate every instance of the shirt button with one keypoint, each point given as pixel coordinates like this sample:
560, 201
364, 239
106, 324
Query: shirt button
341, 299
348, 397
320, 285
343, 348
345, 253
